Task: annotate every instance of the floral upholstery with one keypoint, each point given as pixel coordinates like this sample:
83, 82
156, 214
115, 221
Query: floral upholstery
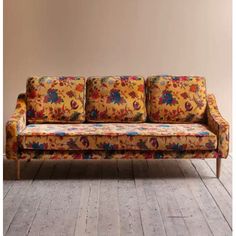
218, 125
115, 99
176, 99
186, 122
98, 155
55, 100
118, 136
14, 126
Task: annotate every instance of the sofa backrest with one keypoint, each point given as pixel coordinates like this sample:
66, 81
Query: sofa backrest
176, 99
55, 99
115, 99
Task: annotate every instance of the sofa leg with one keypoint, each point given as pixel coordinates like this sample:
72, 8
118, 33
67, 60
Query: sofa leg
18, 169
218, 166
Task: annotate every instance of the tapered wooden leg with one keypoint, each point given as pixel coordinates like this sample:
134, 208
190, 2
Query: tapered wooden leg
18, 169
218, 166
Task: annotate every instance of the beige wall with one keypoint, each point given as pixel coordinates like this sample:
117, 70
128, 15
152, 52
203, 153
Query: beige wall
117, 37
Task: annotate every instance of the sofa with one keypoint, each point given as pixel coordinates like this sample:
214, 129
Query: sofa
116, 117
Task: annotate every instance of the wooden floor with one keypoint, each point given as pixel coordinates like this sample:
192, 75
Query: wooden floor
172, 197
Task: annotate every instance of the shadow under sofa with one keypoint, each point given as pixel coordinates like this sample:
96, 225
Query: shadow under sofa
116, 117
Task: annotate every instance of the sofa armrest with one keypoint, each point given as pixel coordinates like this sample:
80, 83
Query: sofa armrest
218, 125
14, 125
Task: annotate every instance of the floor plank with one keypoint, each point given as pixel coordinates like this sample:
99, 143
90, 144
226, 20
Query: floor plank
108, 220
149, 208
206, 202
17, 193
9, 174
130, 218
125, 197
48, 219
226, 172
28, 208
172, 217
87, 220
190, 209
215, 188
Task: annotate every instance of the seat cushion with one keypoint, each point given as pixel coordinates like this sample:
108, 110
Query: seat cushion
115, 99
172, 99
118, 136
55, 100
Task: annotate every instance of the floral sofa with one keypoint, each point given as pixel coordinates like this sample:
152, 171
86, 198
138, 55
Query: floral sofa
116, 117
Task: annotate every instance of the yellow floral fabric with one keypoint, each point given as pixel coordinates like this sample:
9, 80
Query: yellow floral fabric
218, 125
55, 99
99, 155
118, 136
14, 126
115, 99
176, 99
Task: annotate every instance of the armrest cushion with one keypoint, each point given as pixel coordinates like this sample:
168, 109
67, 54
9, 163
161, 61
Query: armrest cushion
218, 125
14, 125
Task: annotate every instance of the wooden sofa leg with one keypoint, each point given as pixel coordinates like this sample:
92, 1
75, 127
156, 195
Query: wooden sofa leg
218, 166
18, 169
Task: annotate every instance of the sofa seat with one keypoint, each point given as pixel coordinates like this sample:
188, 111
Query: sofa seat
117, 136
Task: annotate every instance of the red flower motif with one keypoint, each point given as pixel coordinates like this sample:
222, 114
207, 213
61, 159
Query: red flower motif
193, 88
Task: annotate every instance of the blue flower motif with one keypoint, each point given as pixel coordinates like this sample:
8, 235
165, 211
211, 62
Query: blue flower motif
60, 133
31, 125
31, 113
176, 147
158, 155
167, 98
62, 78
94, 114
71, 129
108, 146
175, 78
52, 96
115, 97
132, 133
38, 146
203, 133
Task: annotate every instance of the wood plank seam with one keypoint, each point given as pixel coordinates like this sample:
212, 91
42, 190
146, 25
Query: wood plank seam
202, 211
194, 199
175, 200
158, 204
140, 216
218, 178
28, 231
27, 189
211, 195
24, 166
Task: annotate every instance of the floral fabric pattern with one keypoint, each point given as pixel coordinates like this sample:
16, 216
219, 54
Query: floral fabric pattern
14, 126
118, 136
48, 120
173, 99
115, 99
218, 125
56, 100
99, 155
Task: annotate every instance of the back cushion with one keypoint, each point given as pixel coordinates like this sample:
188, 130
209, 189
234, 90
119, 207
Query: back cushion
115, 99
55, 99
173, 99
